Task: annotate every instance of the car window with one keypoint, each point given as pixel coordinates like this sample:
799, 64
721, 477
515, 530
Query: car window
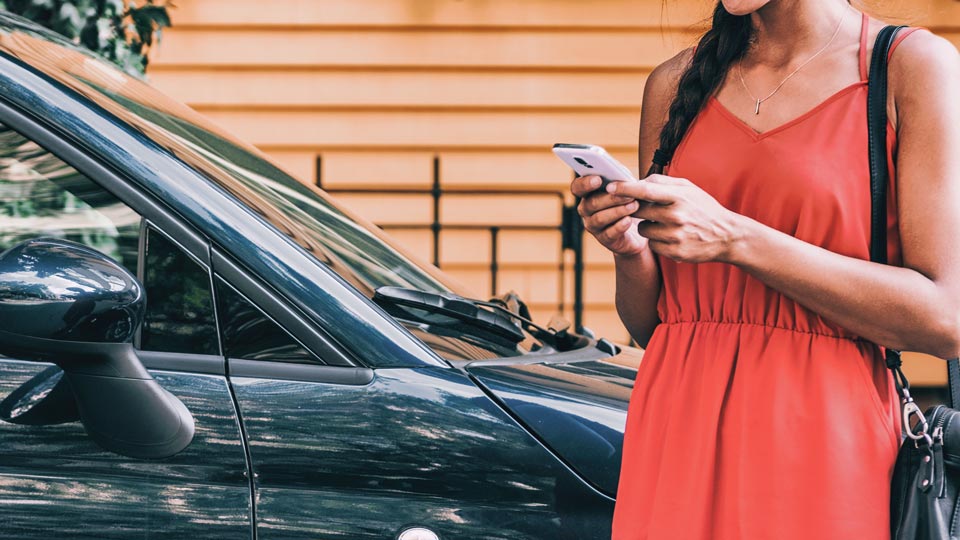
247, 333
179, 316
40, 195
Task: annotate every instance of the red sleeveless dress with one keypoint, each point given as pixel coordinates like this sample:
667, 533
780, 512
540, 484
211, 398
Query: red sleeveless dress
752, 417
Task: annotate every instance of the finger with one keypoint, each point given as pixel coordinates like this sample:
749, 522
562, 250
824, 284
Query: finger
660, 247
667, 180
646, 191
657, 212
616, 230
604, 218
654, 231
584, 185
599, 200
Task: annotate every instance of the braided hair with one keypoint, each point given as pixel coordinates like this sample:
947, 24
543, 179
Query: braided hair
718, 49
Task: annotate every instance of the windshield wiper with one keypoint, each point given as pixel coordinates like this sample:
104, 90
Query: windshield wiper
498, 320
452, 306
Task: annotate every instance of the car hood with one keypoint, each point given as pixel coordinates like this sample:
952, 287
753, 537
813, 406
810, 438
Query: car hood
576, 404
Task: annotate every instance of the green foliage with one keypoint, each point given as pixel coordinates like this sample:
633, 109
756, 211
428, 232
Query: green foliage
120, 31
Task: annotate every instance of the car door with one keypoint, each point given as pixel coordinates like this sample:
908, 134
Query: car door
54, 480
352, 452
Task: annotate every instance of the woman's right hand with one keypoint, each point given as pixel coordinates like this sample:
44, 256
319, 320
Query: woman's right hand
607, 217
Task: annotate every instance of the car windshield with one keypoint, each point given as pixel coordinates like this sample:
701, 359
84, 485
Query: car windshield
354, 248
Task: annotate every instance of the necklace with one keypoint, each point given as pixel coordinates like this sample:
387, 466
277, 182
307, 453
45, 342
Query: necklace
756, 109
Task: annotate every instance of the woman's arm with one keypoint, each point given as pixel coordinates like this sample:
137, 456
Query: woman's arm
638, 289
916, 307
638, 277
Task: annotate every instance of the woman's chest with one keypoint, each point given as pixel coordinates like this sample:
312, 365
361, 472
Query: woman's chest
809, 177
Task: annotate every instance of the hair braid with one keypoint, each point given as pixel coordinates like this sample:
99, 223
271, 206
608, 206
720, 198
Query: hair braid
724, 43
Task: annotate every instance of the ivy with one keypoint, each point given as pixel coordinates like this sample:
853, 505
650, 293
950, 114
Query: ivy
120, 31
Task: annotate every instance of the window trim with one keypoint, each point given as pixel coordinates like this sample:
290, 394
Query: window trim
205, 364
316, 373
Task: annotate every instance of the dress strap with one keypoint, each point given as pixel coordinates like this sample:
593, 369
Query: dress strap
864, 28
900, 37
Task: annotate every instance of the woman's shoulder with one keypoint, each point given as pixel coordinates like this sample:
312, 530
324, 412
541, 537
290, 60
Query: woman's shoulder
916, 51
920, 51
661, 85
924, 70
658, 94
666, 76
922, 67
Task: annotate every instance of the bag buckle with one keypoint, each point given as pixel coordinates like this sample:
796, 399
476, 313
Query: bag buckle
909, 409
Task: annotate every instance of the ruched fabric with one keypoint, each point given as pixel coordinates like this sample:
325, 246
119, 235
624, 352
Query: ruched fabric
752, 417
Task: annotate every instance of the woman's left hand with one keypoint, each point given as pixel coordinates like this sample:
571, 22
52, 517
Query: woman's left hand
684, 222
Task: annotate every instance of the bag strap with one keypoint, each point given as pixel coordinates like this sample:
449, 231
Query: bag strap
877, 137
953, 380
879, 179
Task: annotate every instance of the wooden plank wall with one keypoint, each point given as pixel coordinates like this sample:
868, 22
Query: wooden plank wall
379, 89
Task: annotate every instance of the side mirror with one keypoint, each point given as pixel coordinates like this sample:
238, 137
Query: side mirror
69, 304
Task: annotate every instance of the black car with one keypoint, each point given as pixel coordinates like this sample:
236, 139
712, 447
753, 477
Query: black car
196, 345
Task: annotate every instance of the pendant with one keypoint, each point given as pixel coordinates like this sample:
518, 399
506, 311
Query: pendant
757, 110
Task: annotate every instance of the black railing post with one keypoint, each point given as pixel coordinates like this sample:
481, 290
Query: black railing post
562, 281
578, 272
572, 232
435, 192
494, 261
319, 171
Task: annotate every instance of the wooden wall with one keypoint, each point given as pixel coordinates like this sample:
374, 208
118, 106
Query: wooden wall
380, 89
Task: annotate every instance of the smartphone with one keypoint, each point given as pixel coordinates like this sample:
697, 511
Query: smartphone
590, 159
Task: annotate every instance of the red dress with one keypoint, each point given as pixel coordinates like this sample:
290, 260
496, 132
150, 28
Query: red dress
752, 417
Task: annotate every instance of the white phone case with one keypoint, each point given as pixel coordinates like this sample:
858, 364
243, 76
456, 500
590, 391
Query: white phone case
589, 159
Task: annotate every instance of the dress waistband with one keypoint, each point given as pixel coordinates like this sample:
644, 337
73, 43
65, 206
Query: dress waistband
766, 327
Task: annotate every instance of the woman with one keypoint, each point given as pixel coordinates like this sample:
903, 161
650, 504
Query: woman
763, 408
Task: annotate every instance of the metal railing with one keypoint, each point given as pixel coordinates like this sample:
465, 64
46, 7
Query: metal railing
569, 227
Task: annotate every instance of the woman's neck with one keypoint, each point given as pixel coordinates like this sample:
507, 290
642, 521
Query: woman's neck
789, 31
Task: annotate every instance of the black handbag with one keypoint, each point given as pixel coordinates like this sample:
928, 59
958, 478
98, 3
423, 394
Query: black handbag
926, 477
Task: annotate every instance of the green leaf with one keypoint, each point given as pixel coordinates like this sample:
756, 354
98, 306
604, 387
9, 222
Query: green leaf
90, 35
157, 14
70, 20
147, 20
144, 31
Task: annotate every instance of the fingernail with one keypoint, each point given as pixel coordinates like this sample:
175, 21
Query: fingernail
594, 181
611, 187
